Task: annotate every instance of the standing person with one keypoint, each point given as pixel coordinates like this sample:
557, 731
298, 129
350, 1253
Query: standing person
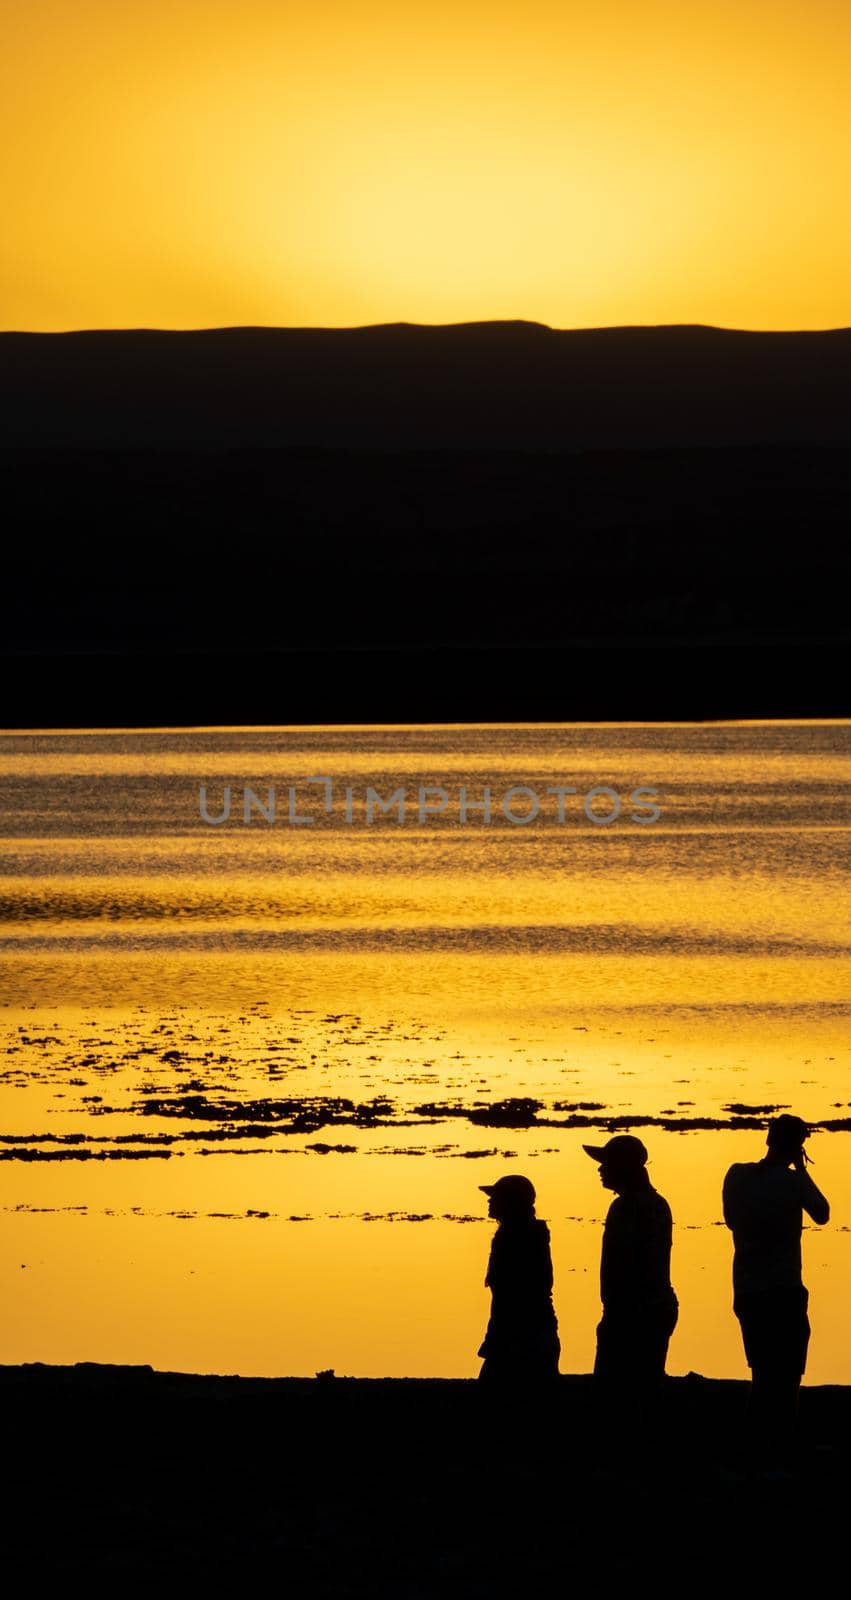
764, 1202
521, 1343
640, 1308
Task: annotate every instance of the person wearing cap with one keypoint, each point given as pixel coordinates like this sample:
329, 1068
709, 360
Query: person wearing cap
521, 1343
763, 1203
640, 1308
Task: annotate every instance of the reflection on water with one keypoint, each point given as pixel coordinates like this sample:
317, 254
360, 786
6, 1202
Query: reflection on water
251, 1076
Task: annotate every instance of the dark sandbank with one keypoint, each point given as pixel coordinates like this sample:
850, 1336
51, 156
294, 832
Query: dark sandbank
231, 1123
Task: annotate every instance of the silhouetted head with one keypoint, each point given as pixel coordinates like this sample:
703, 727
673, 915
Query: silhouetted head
785, 1138
622, 1161
511, 1196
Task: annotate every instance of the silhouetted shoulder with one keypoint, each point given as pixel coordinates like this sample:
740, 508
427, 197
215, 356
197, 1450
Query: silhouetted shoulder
731, 1190
662, 1220
541, 1237
741, 1172
739, 1169
629, 1213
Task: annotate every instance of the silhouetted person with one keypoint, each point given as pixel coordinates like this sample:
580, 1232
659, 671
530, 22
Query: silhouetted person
764, 1202
521, 1343
640, 1308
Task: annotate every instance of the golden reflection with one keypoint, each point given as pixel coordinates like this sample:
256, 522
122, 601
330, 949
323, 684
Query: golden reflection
171, 1001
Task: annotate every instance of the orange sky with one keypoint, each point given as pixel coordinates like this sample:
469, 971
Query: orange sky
188, 163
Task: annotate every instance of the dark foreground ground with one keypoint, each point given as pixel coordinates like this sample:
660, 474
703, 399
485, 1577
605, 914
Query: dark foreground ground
413, 1488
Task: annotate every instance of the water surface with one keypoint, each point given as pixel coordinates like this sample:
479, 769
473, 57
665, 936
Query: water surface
252, 1074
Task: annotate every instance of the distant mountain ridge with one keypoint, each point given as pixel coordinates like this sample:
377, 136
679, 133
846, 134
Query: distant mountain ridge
407, 386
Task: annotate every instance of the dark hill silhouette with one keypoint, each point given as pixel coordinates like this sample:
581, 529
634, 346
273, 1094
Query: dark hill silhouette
489, 385
491, 520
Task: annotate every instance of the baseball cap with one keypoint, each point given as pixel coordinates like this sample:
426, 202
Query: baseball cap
623, 1148
788, 1129
511, 1187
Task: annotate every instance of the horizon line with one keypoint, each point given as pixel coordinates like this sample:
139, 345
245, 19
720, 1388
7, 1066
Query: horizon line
368, 327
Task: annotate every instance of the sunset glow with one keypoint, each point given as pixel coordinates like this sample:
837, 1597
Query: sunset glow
197, 163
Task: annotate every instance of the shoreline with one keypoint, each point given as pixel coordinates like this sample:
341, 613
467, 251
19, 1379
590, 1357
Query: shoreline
601, 679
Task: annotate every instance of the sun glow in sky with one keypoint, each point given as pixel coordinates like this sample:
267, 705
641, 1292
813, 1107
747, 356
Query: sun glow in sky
188, 163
